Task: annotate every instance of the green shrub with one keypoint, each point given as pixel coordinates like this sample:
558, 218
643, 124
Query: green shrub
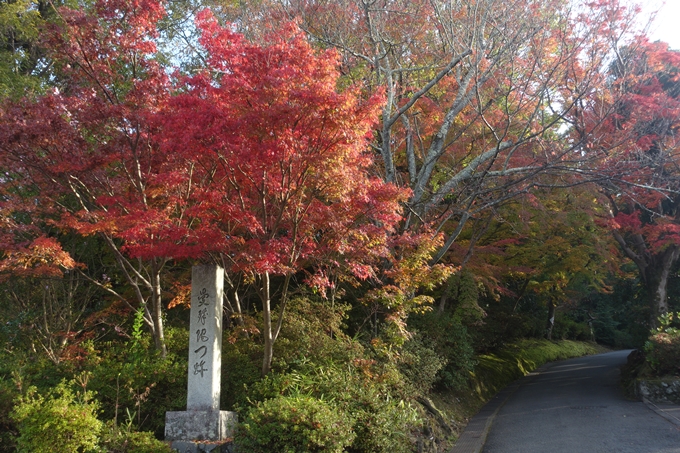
371, 393
132, 376
381, 422
313, 332
122, 439
449, 339
295, 424
371, 384
420, 365
383, 425
61, 422
8, 393
311, 336
241, 368
663, 353
568, 329
663, 347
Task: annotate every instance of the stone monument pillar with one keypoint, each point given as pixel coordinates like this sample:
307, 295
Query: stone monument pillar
203, 426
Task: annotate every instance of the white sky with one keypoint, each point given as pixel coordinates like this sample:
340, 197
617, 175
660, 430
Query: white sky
666, 27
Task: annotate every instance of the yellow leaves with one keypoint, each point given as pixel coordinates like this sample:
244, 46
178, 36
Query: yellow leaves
410, 274
412, 271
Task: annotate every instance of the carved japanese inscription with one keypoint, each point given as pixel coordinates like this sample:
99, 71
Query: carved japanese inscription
205, 341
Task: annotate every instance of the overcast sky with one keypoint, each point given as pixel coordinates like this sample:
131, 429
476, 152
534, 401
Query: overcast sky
667, 25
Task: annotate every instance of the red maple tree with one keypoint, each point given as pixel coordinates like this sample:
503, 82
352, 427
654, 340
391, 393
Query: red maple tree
259, 161
80, 155
640, 169
274, 169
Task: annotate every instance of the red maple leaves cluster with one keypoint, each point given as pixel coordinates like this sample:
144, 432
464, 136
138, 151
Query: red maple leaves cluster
642, 132
258, 157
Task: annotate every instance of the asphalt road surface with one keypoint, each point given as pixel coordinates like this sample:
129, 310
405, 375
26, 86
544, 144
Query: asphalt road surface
577, 406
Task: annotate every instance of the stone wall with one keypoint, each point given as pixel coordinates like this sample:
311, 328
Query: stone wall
659, 390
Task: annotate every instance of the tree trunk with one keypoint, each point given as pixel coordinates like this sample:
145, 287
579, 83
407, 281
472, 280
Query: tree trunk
145, 280
265, 296
551, 320
654, 269
656, 282
157, 311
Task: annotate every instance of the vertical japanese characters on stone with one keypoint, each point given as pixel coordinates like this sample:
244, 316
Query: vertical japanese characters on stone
205, 340
203, 426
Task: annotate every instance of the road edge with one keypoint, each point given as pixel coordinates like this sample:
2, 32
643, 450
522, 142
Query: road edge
660, 411
473, 437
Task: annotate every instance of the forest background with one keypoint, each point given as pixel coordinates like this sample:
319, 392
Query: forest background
395, 190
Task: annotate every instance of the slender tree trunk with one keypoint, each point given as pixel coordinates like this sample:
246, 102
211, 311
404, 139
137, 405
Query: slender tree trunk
551, 320
448, 292
265, 296
157, 311
271, 334
442, 302
145, 280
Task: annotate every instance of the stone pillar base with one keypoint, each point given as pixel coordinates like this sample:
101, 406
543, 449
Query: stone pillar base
197, 426
183, 446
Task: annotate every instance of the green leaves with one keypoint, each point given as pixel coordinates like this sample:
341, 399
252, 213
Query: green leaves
60, 422
295, 424
20, 24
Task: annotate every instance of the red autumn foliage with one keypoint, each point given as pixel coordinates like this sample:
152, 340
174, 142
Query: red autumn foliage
259, 159
641, 174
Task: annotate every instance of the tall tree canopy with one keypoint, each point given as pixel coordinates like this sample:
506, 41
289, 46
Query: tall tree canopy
75, 154
273, 169
257, 161
479, 93
642, 179
336, 154
24, 65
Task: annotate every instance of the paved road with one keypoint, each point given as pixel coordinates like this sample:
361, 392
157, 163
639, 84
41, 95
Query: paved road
576, 406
